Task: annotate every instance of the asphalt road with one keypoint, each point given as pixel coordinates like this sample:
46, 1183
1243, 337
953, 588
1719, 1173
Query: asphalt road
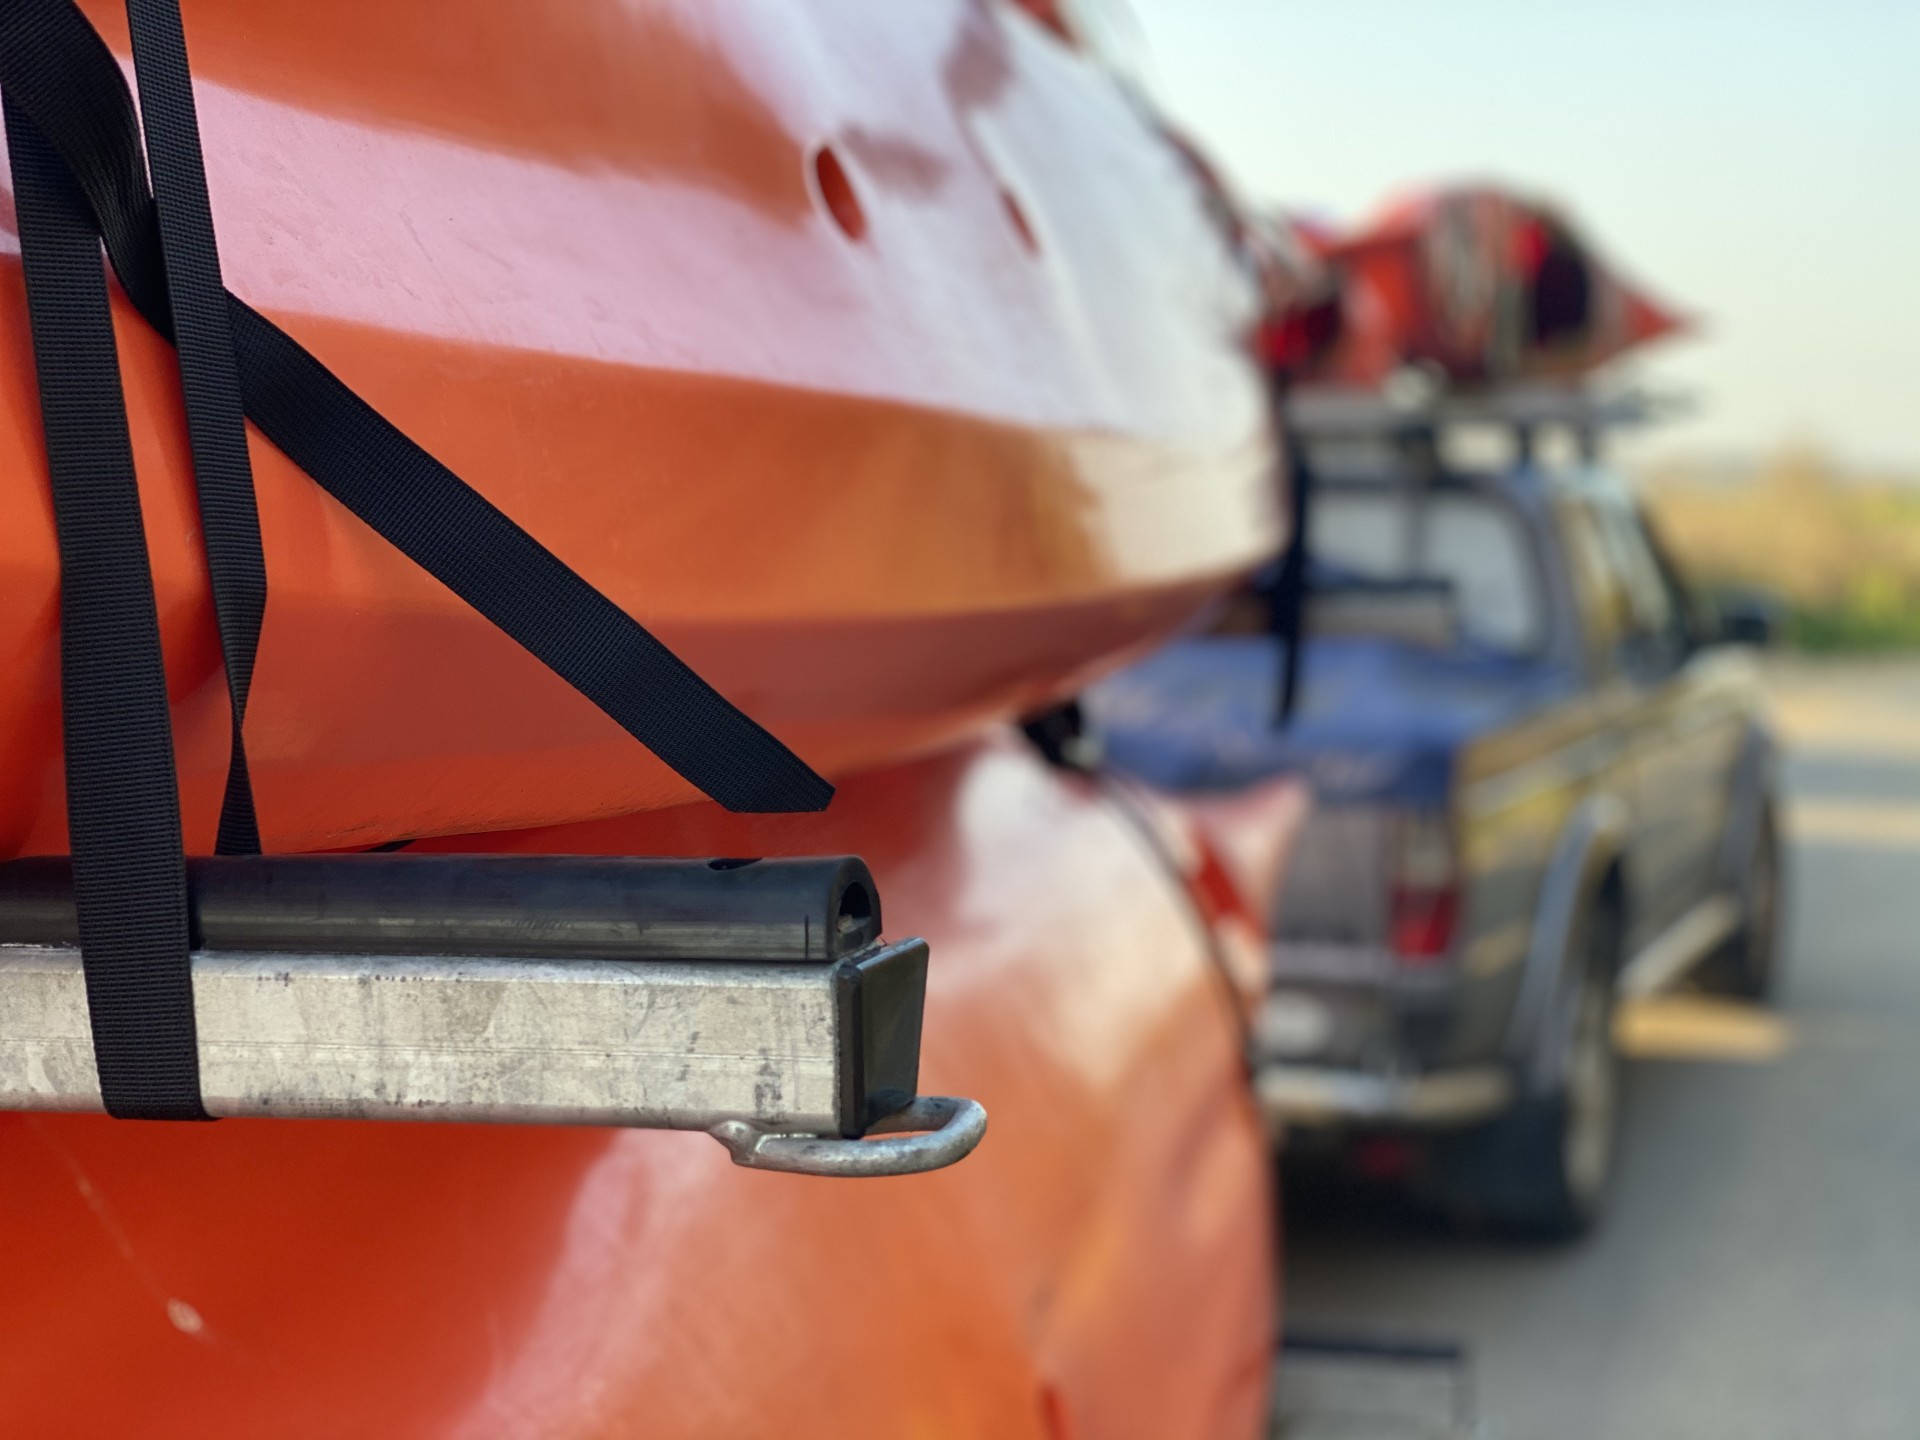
1759, 1273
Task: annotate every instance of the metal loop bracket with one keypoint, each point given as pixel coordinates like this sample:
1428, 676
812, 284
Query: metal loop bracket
930, 1134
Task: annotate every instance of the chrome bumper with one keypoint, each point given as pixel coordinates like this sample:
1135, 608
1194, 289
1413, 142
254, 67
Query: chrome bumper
1311, 1096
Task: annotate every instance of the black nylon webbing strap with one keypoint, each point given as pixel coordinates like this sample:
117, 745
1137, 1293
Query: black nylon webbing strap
1289, 597
216, 426
123, 810
451, 530
62, 75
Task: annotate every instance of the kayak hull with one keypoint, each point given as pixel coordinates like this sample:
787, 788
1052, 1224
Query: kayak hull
878, 482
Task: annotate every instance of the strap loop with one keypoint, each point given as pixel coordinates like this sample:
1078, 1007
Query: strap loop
216, 427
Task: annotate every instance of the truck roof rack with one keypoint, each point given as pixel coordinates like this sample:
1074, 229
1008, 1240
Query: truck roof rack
1422, 408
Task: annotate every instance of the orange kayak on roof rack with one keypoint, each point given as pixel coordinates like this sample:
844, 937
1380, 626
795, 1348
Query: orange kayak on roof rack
807, 337
1477, 285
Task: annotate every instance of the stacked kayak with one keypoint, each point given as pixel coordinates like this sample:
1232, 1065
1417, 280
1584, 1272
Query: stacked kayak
1476, 286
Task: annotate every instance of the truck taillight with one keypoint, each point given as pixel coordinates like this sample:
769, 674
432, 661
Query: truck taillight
1423, 887
1423, 922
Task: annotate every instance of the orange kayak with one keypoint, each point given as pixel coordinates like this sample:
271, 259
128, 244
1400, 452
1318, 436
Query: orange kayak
882, 361
1480, 285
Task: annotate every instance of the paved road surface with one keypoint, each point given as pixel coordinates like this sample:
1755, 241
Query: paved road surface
1759, 1275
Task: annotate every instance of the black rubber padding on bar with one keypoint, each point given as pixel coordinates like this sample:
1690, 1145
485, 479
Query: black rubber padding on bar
812, 910
123, 807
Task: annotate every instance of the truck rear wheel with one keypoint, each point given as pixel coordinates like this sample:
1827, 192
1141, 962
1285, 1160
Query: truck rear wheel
1745, 966
1543, 1169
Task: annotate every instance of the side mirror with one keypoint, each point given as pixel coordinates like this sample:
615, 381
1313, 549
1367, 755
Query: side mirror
1749, 617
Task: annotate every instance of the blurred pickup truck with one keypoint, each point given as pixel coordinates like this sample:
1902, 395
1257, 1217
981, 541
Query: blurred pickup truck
1542, 781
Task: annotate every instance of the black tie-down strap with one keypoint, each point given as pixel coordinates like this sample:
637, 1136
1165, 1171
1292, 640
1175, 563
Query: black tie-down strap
1288, 598
70, 114
123, 811
216, 426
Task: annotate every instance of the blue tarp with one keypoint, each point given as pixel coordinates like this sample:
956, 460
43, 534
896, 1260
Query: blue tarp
1379, 720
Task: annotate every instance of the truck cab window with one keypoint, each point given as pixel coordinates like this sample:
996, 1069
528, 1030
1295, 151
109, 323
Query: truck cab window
1659, 637
1463, 545
1632, 615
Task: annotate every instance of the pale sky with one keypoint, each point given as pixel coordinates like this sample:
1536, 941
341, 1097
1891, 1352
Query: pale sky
1755, 162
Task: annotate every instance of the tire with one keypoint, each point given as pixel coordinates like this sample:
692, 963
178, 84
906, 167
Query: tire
1543, 1169
1747, 966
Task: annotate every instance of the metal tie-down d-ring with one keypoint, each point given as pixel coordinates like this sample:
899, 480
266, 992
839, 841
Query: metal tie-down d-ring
945, 1129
